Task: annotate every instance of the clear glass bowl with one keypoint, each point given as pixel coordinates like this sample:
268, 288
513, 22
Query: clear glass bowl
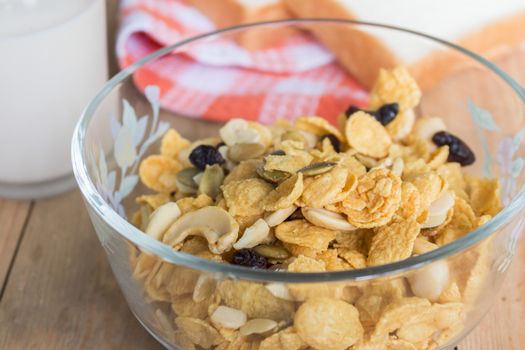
169, 291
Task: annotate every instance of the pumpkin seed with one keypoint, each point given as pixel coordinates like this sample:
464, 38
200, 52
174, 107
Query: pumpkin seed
211, 180
243, 151
274, 176
272, 251
317, 168
294, 136
278, 152
184, 180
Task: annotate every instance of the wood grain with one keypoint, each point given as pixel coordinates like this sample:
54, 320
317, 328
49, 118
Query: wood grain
502, 328
13, 215
61, 292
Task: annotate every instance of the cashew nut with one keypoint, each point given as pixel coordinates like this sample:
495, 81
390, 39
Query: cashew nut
213, 223
161, 219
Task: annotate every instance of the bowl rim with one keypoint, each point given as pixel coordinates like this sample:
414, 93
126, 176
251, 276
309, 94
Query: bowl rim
166, 253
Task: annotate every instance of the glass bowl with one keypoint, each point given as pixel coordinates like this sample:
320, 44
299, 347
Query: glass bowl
173, 293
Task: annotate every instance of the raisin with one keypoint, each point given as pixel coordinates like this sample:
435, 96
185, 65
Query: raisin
336, 144
249, 258
205, 155
219, 145
459, 152
385, 114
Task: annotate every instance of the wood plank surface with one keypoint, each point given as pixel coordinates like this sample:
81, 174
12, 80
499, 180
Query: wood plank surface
61, 293
13, 215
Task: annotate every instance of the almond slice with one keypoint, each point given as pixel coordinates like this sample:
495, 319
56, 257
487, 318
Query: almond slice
327, 219
253, 235
438, 210
228, 317
279, 290
278, 216
257, 326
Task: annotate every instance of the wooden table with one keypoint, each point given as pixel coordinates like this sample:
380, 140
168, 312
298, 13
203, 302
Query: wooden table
58, 291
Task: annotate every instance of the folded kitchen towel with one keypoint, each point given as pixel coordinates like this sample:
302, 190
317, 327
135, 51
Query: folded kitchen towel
218, 79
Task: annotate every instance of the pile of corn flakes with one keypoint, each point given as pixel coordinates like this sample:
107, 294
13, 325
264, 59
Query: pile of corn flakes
312, 197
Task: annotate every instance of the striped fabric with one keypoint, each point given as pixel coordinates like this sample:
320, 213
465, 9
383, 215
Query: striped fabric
217, 79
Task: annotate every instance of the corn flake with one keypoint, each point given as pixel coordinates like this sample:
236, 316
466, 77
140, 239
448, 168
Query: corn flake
398, 313
353, 257
463, 221
158, 173
285, 194
324, 188
244, 198
199, 332
325, 323
375, 199
367, 136
244, 170
333, 262
393, 242
401, 126
183, 305
410, 202
255, 300
288, 163
297, 250
171, 144
189, 204
484, 195
153, 200
395, 86
302, 233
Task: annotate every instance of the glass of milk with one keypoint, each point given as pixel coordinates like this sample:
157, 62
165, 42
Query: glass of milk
52, 61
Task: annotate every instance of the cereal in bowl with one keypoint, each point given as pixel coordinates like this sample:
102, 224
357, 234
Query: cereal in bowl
311, 197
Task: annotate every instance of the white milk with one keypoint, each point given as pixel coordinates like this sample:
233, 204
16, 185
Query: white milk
52, 61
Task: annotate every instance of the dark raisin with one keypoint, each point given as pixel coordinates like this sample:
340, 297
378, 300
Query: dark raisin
387, 113
459, 152
249, 258
278, 152
205, 155
336, 144
220, 144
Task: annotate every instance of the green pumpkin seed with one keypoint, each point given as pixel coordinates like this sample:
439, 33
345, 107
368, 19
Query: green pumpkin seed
272, 251
244, 151
211, 180
274, 176
184, 180
293, 136
317, 168
278, 152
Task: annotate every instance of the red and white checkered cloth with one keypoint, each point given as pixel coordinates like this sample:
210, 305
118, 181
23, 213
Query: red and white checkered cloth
218, 79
